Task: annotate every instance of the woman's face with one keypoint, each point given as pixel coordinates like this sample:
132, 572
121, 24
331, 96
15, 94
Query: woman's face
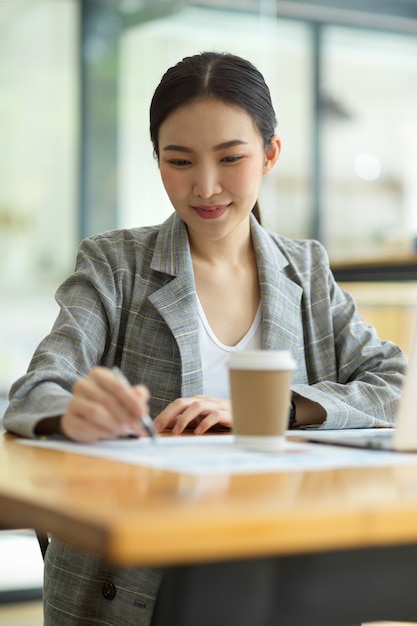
212, 160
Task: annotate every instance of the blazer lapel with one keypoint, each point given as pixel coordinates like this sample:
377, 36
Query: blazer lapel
176, 301
281, 298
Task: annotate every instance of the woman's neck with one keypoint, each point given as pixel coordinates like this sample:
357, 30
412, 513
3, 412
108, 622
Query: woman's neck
234, 250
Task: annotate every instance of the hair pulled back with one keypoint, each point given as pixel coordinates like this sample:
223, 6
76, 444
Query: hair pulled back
224, 76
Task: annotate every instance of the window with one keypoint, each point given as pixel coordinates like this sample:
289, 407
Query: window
369, 126
38, 161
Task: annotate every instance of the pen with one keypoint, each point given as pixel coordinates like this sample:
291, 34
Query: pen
145, 419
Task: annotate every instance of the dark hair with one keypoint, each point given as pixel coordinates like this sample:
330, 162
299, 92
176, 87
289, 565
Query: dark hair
224, 76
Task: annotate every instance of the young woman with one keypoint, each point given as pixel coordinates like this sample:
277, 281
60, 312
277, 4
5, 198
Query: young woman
168, 304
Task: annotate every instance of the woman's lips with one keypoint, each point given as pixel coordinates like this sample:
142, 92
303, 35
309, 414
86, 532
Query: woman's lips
210, 212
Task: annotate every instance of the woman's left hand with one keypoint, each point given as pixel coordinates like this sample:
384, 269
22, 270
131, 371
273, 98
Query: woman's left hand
199, 413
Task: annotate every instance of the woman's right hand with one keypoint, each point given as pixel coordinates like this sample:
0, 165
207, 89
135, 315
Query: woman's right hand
103, 407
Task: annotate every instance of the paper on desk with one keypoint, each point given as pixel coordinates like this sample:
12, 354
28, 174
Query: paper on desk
219, 454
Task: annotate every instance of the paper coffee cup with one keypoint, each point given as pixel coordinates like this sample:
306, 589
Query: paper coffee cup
260, 386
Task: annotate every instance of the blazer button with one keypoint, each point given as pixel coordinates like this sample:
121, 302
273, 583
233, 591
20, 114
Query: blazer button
109, 590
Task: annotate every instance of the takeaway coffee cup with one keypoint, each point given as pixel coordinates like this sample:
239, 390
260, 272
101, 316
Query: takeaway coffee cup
260, 386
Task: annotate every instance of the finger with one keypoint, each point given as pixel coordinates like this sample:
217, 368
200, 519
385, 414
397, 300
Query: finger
125, 404
186, 412
118, 391
138, 406
86, 422
167, 418
101, 406
142, 395
92, 405
210, 421
193, 412
89, 421
133, 404
80, 430
218, 413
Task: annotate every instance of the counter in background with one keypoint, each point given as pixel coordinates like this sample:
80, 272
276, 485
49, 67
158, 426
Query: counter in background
391, 307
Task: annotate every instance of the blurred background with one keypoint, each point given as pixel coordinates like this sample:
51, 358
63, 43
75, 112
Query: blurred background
76, 79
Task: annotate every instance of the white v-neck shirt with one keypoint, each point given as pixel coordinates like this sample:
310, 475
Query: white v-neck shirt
215, 354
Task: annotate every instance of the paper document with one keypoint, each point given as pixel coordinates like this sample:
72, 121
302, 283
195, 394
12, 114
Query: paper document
219, 454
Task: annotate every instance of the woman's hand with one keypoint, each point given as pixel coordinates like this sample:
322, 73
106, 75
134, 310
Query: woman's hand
103, 407
199, 413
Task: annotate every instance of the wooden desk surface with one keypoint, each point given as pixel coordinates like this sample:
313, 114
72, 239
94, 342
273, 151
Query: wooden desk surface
141, 516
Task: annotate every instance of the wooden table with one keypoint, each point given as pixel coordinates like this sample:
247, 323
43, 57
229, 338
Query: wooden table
335, 520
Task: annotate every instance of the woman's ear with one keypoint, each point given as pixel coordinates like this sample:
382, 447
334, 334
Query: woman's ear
272, 154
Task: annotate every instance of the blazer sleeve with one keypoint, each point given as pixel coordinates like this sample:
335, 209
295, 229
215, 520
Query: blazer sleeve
354, 375
82, 334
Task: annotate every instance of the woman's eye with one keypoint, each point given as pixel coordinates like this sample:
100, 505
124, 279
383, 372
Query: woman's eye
179, 162
232, 158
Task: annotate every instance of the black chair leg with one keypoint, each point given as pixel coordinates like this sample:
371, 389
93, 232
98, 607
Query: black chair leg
43, 541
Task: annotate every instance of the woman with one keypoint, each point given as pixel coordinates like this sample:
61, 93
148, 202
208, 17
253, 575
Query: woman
168, 304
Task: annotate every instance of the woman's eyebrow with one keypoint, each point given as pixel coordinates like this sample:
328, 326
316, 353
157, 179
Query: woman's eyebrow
176, 148
230, 144
219, 146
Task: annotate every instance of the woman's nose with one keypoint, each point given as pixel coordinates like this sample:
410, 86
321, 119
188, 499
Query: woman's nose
206, 182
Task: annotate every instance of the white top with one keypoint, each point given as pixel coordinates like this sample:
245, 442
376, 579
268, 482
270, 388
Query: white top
215, 354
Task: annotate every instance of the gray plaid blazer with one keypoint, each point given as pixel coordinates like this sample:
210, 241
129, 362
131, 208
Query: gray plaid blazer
131, 301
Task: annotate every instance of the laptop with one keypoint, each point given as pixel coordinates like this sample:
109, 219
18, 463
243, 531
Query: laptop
402, 438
